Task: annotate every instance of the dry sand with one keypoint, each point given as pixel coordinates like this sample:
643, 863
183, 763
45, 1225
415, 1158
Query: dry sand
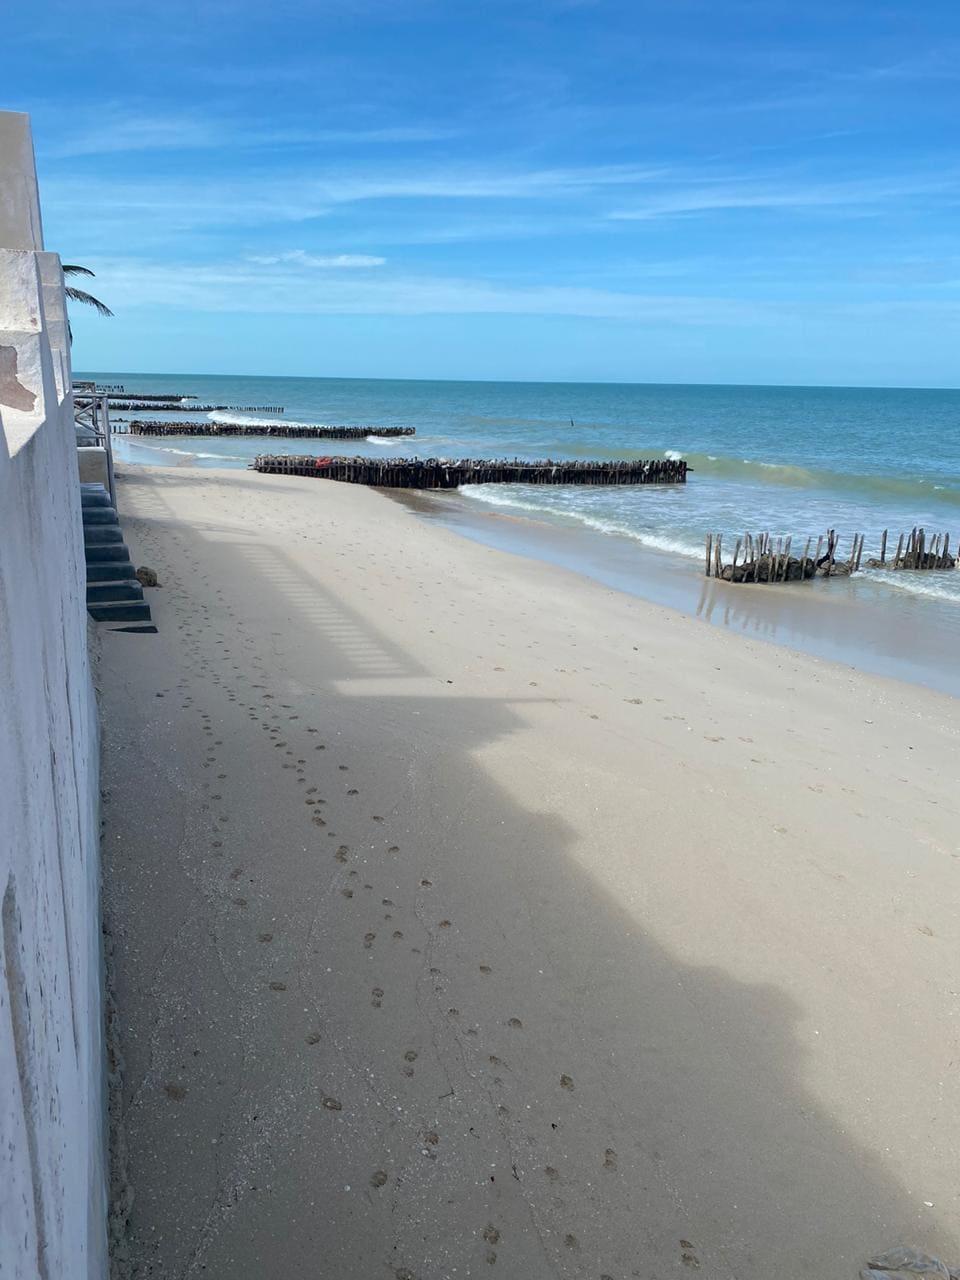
468, 918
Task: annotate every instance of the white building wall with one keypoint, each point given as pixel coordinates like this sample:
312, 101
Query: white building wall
52, 1151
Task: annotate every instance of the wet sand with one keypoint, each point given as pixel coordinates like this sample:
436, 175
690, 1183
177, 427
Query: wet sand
863, 622
468, 917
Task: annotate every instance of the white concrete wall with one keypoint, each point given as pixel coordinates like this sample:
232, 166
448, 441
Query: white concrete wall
52, 1156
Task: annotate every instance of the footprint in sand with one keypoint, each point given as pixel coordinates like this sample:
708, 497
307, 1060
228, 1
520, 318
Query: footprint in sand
376, 997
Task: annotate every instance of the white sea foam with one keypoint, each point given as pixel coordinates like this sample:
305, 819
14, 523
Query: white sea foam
496, 497
674, 455
935, 585
240, 420
188, 453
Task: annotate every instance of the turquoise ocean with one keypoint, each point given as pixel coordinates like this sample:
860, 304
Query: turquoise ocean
789, 460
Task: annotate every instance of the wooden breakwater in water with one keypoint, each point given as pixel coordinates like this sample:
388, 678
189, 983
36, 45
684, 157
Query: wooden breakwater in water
167, 401
281, 430
171, 404
119, 396
764, 560
914, 552
443, 473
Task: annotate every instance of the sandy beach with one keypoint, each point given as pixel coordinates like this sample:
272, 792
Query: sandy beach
468, 917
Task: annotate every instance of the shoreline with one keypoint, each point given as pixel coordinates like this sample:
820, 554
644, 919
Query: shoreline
491, 909
867, 622
854, 624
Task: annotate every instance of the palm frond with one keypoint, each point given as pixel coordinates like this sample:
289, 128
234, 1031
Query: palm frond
76, 271
79, 295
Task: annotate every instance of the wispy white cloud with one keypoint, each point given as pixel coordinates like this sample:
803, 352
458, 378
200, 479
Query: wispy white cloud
289, 284
179, 205
304, 259
289, 287
117, 131
114, 130
866, 194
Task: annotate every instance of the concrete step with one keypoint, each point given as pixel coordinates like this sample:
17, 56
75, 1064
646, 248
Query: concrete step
116, 571
93, 534
120, 611
99, 515
102, 592
105, 552
94, 495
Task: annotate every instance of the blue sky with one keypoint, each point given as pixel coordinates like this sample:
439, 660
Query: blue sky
686, 190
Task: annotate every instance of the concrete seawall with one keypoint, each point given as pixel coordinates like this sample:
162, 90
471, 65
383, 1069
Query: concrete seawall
52, 1158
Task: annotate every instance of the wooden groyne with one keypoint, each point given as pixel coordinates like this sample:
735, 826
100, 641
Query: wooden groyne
171, 404
118, 393
280, 430
913, 552
764, 560
443, 473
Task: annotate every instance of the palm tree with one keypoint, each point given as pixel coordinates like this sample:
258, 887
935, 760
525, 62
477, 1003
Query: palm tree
80, 295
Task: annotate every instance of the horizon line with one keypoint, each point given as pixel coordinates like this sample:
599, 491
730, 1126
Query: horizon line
523, 382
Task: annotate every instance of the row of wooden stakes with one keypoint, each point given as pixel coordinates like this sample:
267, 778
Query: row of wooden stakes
447, 473
277, 430
171, 404
764, 561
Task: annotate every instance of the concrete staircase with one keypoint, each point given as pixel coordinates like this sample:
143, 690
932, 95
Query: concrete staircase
113, 593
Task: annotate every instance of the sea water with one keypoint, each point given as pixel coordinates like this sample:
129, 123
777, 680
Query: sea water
791, 461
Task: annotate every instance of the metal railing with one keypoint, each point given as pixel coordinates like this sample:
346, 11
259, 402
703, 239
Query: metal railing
92, 410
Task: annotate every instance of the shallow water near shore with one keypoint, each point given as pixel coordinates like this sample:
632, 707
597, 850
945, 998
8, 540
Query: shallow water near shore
792, 461
864, 622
